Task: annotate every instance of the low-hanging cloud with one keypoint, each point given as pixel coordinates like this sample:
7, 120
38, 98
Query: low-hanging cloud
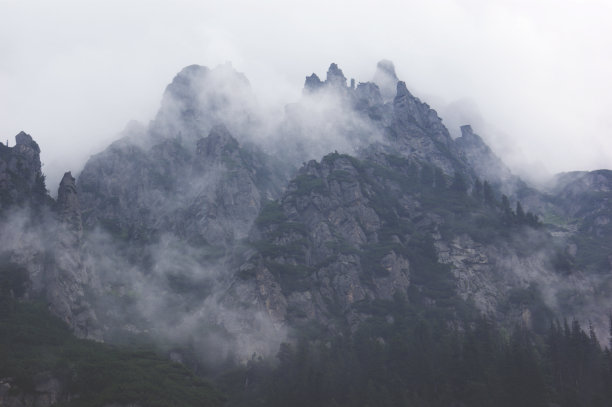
176, 298
72, 74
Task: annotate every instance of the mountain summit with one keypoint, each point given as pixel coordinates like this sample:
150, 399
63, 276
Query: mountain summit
347, 252
385, 78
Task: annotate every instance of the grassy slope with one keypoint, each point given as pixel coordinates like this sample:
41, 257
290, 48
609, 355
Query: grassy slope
34, 342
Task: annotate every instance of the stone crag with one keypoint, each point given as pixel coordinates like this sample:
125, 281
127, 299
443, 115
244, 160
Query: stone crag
205, 212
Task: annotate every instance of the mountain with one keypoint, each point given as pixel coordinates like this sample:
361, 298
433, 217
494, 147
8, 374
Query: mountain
20, 168
584, 199
41, 239
350, 226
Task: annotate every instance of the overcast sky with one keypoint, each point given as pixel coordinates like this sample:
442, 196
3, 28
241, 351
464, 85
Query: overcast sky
533, 77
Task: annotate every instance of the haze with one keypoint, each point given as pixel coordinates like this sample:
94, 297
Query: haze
533, 78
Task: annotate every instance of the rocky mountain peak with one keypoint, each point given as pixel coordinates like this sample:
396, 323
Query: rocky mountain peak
202, 239
68, 204
384, 67
386, 79
466, 131
370, 93
67, 184
21, 178
472, 144
572, 185
335, 76
199, 97
29, 149
218, 141
401, 91
472, 141
185, 82
312, 83
483, 160
24, 139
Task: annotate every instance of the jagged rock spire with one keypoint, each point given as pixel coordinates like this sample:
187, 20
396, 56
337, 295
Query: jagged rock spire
402, 90
25, 139
25, 145
21, 178
312, 83
68, 204
386, 79
219, 139
199, 97
335, 76
466, 130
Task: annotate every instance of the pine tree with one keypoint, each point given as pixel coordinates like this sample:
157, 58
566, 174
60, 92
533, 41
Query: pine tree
508, 215
427, 175
459, 183
439, 178
520, 213
477, 191
489, 197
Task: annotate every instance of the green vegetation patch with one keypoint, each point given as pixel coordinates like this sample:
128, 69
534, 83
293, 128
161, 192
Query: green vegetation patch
271, 213
33, 342
292, 277
306, 184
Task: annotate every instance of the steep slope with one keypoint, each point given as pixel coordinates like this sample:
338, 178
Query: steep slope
350, 118
188, 226
586, 195
164, 188
199, 98
40, 239
585, 215
198, 234
42, 364
162, 226
350, 234
21, 179
418, 132
164, 210
485, 163
211, 224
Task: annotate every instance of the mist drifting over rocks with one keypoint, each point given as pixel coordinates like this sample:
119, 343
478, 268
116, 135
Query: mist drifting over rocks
221, 229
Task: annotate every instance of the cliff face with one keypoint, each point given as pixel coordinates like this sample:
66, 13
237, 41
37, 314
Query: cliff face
48, 391
21, 178
67, 278
320, 249
480, 157
199, 98
209, 191
191, 172
353, 117
43, 237
199, 230
350, 234
169, 212
584, 202
585, 194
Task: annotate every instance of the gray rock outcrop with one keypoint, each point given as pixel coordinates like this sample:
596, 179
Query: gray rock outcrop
386, 79
48, 391
485, 163
22, 182
44, 237
67, 278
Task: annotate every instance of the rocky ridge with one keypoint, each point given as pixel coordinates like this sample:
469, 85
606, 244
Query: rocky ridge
380, 112
44, 237
349, 233
21, 179
191, 209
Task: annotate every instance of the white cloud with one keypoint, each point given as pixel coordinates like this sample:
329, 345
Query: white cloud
74, 73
